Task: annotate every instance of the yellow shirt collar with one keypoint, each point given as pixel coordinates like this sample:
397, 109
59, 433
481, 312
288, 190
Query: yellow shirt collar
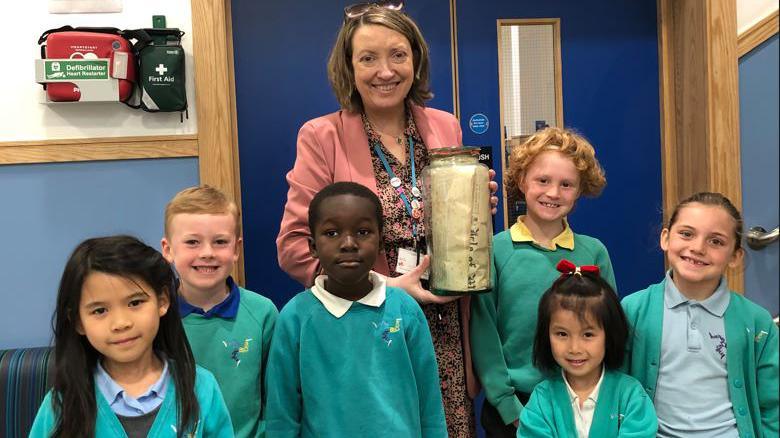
520, 233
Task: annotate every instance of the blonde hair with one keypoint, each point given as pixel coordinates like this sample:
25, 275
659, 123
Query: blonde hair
342, 76
566, 142
203, 199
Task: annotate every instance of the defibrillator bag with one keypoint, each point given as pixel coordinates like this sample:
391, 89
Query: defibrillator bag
161, 77
88, 44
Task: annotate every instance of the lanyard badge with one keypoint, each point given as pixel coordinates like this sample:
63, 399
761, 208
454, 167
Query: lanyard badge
413, 206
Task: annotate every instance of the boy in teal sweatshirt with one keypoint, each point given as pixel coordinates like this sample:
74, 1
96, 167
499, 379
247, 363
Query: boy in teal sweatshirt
351, 357
229, 328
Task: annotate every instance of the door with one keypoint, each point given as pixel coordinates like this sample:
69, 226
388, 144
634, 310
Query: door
758, 118
609, 67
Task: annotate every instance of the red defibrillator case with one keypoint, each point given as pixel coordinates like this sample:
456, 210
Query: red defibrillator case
89, 45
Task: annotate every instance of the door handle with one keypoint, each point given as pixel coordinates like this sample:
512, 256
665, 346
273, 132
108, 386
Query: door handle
758, 238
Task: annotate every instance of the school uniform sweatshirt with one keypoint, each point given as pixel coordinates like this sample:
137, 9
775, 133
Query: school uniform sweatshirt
235, 350
751, 356
370, 372
213, 421
623, 409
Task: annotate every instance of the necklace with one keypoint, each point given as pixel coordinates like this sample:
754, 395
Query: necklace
398, 138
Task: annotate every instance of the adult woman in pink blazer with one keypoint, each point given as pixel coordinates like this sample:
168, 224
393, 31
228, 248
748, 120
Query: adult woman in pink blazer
380, 138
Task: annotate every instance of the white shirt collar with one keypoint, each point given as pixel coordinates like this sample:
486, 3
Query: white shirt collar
339, 306
594, 395
583, 416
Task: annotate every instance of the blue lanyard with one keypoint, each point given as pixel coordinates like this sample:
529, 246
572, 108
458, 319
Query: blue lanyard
399, 189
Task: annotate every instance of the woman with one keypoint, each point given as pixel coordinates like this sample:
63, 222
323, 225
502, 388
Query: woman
380, 138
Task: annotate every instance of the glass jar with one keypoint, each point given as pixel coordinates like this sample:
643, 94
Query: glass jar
458, 222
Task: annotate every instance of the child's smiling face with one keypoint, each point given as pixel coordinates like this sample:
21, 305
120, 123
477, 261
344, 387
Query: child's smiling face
203, 248
578, 346
700, 245
346, 240
551, 187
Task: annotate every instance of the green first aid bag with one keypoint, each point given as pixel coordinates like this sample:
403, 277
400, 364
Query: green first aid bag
161, 76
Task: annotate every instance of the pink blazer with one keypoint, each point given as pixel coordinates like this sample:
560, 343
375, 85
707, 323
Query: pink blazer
335, 148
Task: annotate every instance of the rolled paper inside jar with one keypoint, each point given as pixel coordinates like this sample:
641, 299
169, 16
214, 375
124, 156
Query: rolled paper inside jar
460, 230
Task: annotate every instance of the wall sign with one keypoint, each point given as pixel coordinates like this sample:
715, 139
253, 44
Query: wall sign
479, 123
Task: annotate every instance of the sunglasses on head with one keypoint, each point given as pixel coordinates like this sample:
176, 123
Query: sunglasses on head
358, 9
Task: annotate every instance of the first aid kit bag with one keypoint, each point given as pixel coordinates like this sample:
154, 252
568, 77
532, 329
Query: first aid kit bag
161, 70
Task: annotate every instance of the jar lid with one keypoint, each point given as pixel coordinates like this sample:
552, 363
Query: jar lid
453, 151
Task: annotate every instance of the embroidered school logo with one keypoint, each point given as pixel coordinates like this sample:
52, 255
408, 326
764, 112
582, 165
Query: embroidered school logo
237, 348
720, 348
761, 335
192, 434
387, 330
619, 418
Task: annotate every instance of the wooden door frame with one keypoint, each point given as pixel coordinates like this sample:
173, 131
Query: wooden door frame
215, 97
699, 53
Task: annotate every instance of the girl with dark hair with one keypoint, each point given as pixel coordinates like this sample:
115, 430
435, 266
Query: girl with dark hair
123, 366
580, 341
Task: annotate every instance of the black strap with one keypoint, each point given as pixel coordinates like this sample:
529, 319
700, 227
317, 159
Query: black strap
43, 37
169, 31
111, 30
141, 37
145, 37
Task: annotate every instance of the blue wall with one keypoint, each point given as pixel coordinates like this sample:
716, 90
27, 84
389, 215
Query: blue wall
47, 209
759, 140
609, 56
281, 52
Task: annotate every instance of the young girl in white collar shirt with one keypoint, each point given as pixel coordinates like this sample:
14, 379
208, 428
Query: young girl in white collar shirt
580, 340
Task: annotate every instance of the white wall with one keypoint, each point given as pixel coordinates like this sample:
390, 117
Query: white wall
22, 117
750, 12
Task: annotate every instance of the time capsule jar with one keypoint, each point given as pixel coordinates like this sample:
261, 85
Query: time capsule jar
458, 221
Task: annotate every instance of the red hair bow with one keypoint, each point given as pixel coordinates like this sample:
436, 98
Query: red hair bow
566, 267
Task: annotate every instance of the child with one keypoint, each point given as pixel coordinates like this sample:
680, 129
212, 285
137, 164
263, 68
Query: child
229, 328
550, 170
352, 357
708, 357
581, 328
122, 363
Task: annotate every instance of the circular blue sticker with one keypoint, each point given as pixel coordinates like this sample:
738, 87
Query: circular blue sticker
479, 123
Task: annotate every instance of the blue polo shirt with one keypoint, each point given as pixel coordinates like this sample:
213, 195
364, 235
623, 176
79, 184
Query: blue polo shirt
692, 395
227, 309
125, 405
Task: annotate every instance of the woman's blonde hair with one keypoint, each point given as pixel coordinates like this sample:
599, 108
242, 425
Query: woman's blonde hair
342, 76
568, 143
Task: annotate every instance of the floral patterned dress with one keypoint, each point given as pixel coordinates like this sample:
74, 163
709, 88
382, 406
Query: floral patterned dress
444, 320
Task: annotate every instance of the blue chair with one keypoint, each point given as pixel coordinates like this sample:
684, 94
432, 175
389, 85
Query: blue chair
25, 376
